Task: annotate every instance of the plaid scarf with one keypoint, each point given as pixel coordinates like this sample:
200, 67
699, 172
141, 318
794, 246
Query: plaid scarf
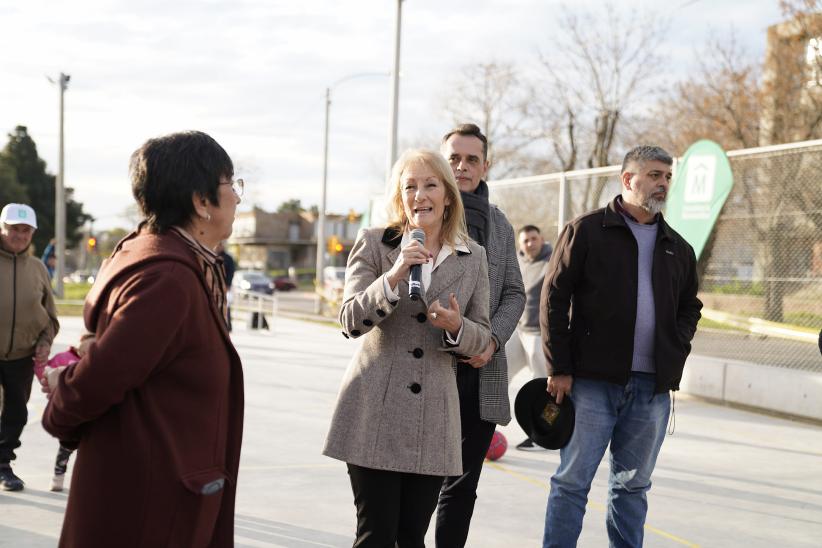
213, 270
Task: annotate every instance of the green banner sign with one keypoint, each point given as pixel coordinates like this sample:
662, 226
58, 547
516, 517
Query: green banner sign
702, 182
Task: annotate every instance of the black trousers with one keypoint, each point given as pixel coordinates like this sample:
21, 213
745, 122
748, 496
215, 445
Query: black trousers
15, 378
393, 508
459, 493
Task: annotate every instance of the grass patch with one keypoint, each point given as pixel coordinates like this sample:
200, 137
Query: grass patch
711, 324
736, 287
804, 319
306, 285
74, 291
69, 309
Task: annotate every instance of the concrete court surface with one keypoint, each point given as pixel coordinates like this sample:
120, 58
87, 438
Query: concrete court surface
726, 478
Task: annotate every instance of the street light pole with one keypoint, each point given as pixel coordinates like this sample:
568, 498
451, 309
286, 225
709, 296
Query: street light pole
319, 282
395, 92
321, 226
60, 200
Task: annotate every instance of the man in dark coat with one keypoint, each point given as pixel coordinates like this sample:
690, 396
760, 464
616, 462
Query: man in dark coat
482, 380
633, 284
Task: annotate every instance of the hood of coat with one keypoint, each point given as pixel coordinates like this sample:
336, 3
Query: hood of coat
132, 253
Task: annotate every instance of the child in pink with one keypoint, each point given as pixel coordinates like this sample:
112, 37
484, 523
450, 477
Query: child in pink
63, 359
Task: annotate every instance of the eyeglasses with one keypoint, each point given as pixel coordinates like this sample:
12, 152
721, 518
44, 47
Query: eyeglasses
237, 186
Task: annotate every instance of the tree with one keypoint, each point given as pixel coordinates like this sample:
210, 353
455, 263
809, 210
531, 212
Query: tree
20, 156
10, 190
731, 101
721, 100
108, 239
791, 111
491, 95
598, 67
293, 205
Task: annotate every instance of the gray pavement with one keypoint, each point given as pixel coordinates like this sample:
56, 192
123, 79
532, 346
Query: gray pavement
725, 478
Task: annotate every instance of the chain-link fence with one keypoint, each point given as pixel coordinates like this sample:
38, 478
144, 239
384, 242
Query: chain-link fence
761, 270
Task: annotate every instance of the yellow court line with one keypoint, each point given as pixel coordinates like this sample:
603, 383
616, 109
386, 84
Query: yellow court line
594, 505
669, 536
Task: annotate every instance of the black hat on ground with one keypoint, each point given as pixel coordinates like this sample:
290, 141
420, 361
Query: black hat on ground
546, 423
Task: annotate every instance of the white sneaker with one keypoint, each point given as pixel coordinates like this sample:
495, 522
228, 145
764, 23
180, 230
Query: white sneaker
57, 482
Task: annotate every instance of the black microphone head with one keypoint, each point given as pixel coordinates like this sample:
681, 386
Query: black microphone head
419, 235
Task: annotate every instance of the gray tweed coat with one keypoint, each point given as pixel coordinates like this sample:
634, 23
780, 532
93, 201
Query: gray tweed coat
507, 302
398, 407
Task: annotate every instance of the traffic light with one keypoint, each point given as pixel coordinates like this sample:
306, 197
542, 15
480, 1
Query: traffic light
92, 243
334, 245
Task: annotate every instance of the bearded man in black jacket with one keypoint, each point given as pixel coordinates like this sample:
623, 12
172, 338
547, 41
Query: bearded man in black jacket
633, 284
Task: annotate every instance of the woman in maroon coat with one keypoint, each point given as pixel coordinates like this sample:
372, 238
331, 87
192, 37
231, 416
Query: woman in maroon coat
156, 403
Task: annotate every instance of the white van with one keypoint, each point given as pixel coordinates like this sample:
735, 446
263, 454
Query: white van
333, 282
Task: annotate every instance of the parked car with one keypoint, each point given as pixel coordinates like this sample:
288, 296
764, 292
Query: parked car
81, 276
284, 283
333, 282
253, 280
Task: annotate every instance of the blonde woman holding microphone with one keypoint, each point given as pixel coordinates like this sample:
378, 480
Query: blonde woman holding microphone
397, 418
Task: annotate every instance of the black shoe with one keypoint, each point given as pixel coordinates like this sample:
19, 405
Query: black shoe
528, 445
9, 481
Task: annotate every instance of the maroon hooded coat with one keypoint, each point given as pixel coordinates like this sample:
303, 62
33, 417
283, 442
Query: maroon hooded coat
155, 406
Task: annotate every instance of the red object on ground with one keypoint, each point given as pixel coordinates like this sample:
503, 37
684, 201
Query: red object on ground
498, 446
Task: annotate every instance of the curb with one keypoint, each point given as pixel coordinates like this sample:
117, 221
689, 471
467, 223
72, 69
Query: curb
760, 326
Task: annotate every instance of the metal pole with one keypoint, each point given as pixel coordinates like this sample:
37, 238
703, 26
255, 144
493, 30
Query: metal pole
275, 308
321, 221
562, 214
60, 201
395, 92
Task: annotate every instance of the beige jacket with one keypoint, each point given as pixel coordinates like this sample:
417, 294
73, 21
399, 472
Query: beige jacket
27, 311
398, 408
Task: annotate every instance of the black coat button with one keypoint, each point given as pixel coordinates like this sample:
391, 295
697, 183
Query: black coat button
415, 387
356, 332
345, 334
421, 317
368, 323
418, 353
380, 313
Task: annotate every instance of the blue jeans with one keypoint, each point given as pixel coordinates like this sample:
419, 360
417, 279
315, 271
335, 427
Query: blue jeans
633, 419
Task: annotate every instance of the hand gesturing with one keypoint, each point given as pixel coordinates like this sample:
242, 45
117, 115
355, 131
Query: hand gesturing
449, 318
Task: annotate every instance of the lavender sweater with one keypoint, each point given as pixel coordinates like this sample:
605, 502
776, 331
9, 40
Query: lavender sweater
645, 326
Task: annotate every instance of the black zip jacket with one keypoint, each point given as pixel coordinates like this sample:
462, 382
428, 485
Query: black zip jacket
588, 307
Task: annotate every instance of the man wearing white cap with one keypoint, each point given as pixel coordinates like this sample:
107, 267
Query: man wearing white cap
28, 324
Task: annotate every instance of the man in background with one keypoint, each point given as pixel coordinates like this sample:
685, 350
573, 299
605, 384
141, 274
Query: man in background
524, 348
229, 266
28, 325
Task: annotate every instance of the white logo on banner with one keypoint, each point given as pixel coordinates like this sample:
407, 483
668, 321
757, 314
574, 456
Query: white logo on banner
699, 181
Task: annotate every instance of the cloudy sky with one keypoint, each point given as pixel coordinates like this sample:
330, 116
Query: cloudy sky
253, 74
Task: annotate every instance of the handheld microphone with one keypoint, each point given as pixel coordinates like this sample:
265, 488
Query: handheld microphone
415, 277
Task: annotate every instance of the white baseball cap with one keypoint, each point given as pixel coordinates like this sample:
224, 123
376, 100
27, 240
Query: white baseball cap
18, 214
